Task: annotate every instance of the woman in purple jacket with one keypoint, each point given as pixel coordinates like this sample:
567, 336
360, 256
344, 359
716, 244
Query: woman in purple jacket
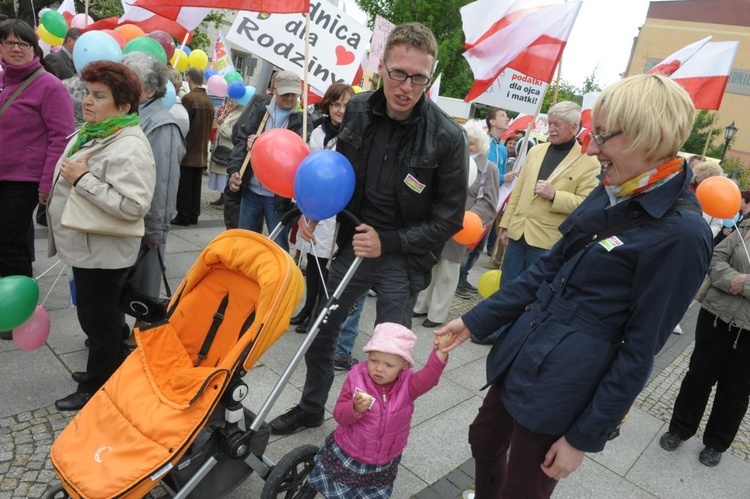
374, 409
35, 127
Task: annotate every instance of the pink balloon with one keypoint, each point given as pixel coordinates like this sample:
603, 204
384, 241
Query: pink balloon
217, 86
79, 21
33, 333
165, 40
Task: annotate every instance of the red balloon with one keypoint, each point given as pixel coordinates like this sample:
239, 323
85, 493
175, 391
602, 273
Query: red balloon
120, 40
471, 231
276, 156
165, 40
719, 197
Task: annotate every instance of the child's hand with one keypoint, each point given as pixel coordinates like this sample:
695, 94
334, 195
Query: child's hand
362, 402
440, 342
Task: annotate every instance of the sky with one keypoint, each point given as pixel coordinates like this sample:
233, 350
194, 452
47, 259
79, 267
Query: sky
602, 38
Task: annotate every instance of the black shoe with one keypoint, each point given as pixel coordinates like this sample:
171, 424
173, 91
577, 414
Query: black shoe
79, 376
6, 335
294, 419
193, 220
468, 287
344, 362
301, 329
428, 323
490, 340
73, 402
180, 221
709, 457
300, 318
670, 441
419, 314
462, 293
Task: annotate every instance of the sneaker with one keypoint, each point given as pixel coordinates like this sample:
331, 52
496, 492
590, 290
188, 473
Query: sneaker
670, 441
709, 457
294, 419
462, 293
344, 362
468, 494
372, 293
468, 287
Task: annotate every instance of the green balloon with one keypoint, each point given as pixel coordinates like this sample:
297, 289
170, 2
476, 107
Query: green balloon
232, 76
18, 299
55, 23
147, 45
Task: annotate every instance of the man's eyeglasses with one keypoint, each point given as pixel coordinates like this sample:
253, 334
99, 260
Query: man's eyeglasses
21, 45
398, 75
601, 139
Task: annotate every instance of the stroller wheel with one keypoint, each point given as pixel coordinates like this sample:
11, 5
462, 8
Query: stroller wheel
288, 479
57, 492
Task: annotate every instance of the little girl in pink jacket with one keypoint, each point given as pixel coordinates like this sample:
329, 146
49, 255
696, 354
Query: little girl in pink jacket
374, 410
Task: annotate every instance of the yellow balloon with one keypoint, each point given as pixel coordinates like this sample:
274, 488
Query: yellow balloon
48, 37
179, 61
489, 283
198, 59
357, 89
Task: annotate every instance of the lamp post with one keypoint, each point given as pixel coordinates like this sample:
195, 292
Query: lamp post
729, 132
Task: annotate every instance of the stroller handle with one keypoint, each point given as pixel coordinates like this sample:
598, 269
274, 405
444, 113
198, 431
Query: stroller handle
295, 212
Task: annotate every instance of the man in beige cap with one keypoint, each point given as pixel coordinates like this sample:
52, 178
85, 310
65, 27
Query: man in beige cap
280, 110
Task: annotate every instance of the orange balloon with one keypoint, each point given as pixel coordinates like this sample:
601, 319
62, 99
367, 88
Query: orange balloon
719, 197
129, 31
471, 231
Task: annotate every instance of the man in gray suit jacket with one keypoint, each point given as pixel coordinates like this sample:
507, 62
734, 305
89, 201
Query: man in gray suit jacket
60, 63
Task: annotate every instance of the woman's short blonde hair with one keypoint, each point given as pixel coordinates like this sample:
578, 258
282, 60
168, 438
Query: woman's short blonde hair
654, 113
702, 171
476, 132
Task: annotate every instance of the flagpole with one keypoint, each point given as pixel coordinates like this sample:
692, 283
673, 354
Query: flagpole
710, 133
557, 83
86, 11
305, 86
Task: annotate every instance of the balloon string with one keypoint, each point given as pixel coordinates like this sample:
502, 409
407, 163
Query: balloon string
317, 262
744, 244
53, 284
52, 267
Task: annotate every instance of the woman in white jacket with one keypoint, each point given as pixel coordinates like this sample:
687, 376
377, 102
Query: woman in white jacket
323, 137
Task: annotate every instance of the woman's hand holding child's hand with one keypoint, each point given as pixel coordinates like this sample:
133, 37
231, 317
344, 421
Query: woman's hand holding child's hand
456, 331
440, 342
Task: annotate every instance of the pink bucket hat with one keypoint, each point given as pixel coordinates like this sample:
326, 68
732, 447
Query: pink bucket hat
392, 338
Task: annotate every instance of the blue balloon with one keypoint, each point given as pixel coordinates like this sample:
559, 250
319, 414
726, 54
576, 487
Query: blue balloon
730, 222
249, 93
236, 90
170, 96
209, 73
95, 46
323, 184
184, 48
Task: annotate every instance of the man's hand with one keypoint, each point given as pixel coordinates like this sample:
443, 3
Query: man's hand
544, 189
508, 177
737, 284
503, 235
251, 141
561, 459
305, 229
235, 182
457, 330
366, 242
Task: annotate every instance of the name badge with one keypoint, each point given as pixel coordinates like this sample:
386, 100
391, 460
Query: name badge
611, 243
414, 184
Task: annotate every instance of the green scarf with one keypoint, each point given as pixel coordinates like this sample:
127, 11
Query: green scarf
102, 129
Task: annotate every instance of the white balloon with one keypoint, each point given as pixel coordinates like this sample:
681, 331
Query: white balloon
473, 171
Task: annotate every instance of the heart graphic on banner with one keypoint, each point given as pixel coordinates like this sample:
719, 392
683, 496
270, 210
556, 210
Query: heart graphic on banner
343, 56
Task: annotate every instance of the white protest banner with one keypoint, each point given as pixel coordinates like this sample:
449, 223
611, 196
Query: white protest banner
382, 28
337, 42
222, 61
514, 91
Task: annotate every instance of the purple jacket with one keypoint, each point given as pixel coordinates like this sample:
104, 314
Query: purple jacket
380, 434
35, 127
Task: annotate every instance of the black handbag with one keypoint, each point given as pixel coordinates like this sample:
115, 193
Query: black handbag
144, 308
220, 155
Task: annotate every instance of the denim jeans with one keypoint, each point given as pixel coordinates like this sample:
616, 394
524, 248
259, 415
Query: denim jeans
256, 208
350, 329
470, 258
519, 255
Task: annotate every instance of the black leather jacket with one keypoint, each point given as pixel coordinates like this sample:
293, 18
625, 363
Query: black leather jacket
434, 152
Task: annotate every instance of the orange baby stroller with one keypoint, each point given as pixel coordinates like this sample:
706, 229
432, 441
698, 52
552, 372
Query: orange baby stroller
172, 412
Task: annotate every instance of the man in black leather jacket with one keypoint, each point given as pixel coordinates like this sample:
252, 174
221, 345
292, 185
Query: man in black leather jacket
411, 165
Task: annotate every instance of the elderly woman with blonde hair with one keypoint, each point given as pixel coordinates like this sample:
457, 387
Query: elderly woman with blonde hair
590, 315
481, 198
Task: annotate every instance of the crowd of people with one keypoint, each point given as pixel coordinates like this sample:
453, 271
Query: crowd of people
581, 241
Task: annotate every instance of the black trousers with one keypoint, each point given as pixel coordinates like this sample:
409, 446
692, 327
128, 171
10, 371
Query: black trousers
17, 203
189, 193
395, 302
313, 282
98, 294
715, 361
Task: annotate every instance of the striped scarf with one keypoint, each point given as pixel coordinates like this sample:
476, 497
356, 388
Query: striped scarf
102, 129
647, 181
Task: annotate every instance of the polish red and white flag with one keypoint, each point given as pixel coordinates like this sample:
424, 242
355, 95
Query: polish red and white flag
674, 61
587, 125
483, 18
531, 44
186, 19
170, 8
434, 92
706, 74
67, 9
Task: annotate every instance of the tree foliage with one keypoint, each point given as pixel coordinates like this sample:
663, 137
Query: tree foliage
703, 124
